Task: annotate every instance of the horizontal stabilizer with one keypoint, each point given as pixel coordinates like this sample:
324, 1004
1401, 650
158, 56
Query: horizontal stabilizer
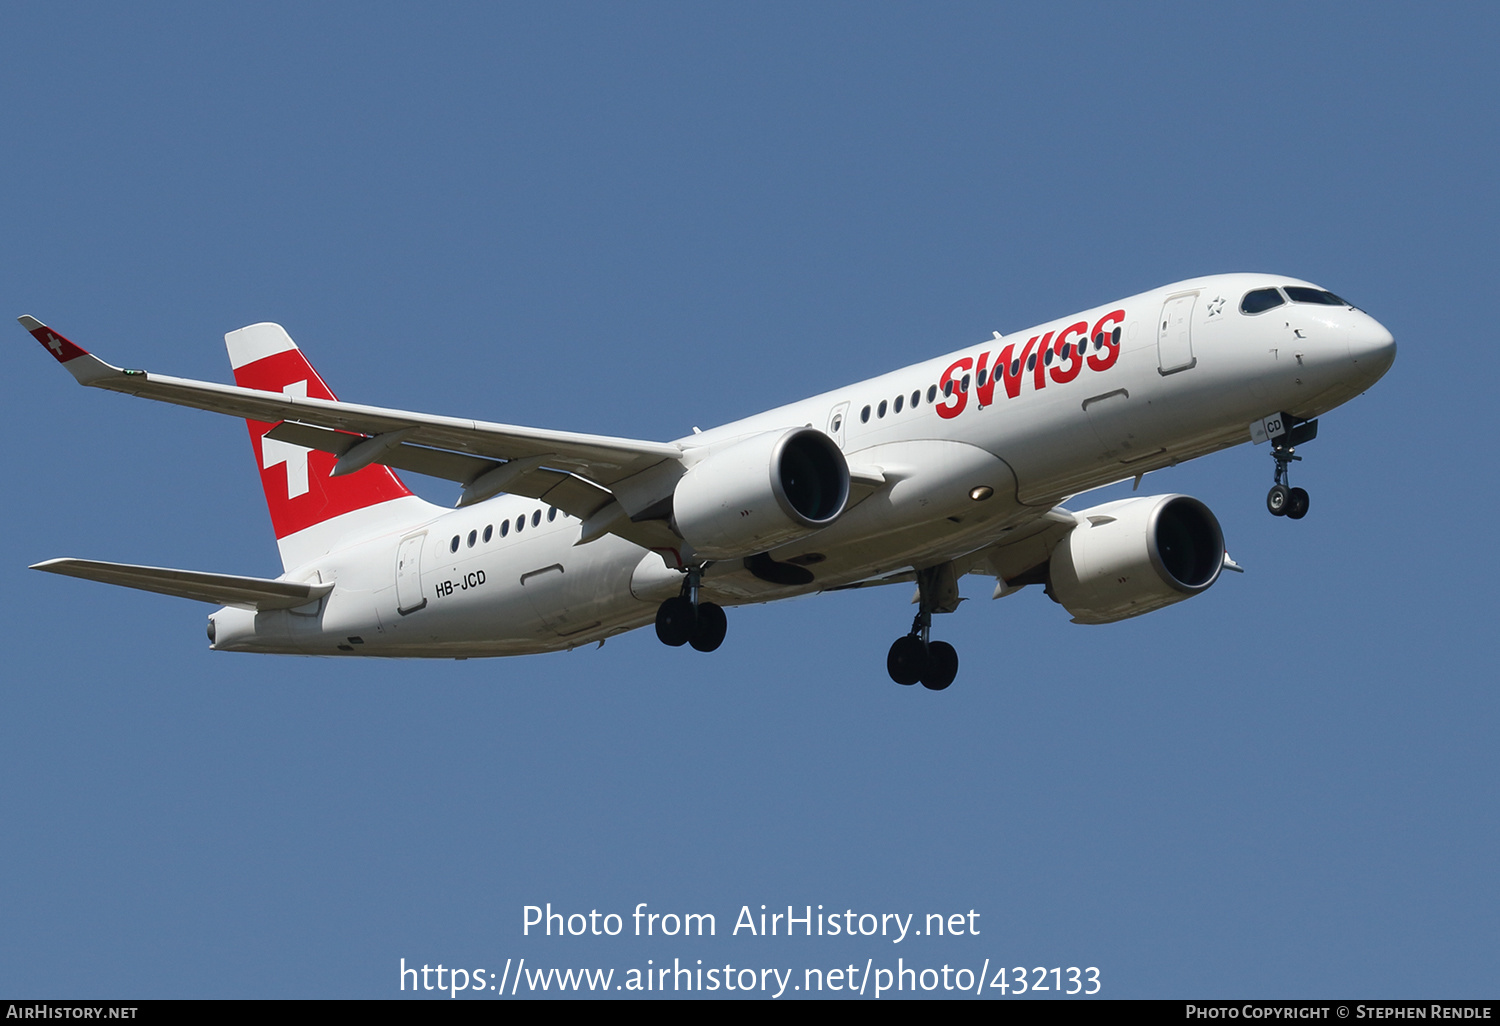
220, 589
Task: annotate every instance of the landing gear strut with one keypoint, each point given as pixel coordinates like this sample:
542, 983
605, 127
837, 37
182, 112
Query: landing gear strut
915, 657
686, 620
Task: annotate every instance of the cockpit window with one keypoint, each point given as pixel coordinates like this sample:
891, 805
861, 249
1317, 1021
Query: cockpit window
1260, 301
1303, 294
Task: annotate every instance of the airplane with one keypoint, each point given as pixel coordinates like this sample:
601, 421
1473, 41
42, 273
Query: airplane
955, 466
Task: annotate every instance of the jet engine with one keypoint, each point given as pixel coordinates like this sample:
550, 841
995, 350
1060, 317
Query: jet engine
761, 492
1132, 556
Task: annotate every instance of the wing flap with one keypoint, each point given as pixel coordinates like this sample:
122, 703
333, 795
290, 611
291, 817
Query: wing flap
903, 577
418, 459
573, 495
570, 493
220, 589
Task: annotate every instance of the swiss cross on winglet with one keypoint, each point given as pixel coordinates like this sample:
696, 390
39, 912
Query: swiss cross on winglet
83, 365
55, 343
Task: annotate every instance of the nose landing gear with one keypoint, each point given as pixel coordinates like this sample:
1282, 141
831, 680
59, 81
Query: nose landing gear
685, 620
1283, 500
915, 657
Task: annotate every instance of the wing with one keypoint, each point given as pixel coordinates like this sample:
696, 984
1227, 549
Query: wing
220, 589
1020, 557
572, 471
1015, 561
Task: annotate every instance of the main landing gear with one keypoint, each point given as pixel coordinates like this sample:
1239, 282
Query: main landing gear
916, 657
686, 620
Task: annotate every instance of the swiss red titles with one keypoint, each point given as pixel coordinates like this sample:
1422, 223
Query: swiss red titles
1060, 356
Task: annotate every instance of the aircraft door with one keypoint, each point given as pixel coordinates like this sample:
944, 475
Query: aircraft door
1174, 336
836, 421
409, 597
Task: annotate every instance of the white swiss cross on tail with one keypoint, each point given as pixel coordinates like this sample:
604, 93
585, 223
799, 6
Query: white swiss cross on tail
265, 358
273, 452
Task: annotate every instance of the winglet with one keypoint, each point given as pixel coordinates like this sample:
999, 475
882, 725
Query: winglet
82, 364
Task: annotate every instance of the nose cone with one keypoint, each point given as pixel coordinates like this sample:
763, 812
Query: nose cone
1371, 348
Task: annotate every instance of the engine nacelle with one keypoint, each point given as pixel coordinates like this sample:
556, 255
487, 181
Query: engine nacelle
761, 492
1129, 557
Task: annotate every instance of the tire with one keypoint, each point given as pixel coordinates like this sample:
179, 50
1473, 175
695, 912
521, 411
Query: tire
1297, 503
942, 666
675, 621
906, 660
1277, 499
712, 626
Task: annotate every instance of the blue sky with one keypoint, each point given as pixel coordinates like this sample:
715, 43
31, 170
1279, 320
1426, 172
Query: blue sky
633, 219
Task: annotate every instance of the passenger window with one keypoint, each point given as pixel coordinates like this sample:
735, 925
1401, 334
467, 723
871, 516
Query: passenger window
931, 393
489, 532
916, 397
453, 546
1031, 362
880, 410
504, 528
948, 387
536, 518
1302, 294
473, 537
1260, 300
898, 403
551, 514
864, 415
520, 524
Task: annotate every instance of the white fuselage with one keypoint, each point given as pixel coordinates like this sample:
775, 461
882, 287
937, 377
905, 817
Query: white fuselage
1190, 374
